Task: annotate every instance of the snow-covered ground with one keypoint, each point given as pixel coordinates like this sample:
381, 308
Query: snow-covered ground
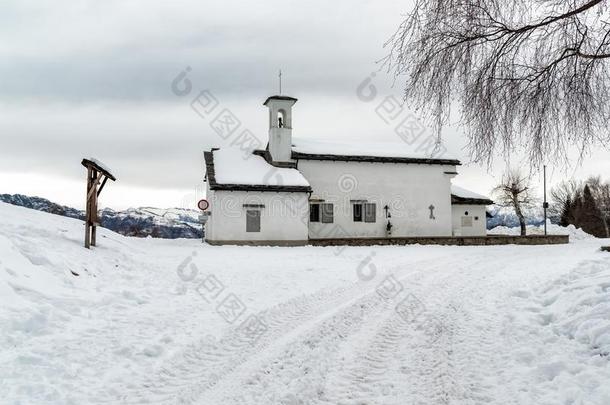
140, 321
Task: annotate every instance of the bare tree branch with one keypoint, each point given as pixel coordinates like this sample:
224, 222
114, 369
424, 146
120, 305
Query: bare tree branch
532, 74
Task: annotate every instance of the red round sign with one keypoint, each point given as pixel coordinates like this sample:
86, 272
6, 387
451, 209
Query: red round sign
203, 205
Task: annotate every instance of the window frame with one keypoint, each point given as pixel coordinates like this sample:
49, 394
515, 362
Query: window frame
317, 218
360, 209
327, 216
369, 208
467, 222
360, 206
249, 215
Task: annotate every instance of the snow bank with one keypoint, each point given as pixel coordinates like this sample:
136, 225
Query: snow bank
578, 306
564, 327
552, 229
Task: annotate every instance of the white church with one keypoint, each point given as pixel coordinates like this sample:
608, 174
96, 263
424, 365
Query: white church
297, 191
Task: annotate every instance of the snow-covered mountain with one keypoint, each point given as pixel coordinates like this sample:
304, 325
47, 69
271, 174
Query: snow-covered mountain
169, 223
505, 216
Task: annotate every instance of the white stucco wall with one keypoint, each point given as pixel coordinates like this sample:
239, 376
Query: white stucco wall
408, 189
280, 139
479, 226
284, 216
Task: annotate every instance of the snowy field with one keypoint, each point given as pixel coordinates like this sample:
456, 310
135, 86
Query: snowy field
138, 321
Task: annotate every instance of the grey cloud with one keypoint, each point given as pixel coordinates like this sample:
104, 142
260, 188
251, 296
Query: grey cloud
239, 55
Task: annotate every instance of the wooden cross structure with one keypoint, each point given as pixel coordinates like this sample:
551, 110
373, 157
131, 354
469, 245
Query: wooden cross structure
96, 173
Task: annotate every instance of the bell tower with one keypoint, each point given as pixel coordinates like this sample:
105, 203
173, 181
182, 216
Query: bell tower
280, 127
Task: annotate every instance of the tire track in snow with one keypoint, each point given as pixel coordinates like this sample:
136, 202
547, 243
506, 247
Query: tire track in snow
202, 366
304, 373
462, 366
439, 375
377, 374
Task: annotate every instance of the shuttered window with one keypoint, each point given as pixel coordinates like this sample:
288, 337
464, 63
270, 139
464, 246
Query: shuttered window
357, 212
253, 221
314, 213
326, 213
364, 212
370, 212
467, 222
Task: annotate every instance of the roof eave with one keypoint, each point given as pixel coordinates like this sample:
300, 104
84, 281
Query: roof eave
375, 159
277, 97
90, 163
262, 188
455, 200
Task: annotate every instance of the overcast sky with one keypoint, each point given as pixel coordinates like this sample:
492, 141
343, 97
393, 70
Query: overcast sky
93, 78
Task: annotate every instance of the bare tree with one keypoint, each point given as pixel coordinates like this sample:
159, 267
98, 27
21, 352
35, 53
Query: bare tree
516, 191
585, 205
531, 73
562, 197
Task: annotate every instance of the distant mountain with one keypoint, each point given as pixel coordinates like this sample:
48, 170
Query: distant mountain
505, 216
170, 223
182, 223
42, 204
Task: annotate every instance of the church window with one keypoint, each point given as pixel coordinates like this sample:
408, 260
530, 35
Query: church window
321, 212
314, 213
253, 221
364, 212
370, 212
326, 211
357, 208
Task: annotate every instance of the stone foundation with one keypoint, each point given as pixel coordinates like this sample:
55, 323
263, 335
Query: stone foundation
258, 242
448, 240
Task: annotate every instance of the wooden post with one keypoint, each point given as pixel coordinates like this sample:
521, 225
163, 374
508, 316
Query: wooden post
94, 212
96, 173
88, 209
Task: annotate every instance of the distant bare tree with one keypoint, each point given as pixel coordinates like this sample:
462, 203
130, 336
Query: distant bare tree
562, 196
516, 191
585, 205
533, 73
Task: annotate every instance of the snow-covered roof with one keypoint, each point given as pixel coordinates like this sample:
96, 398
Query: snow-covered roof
464, 196
101, 166
231, 168
462, 192
392, 150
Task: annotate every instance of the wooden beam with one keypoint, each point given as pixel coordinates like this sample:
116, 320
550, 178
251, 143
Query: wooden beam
102, 186
96, 181
88, 210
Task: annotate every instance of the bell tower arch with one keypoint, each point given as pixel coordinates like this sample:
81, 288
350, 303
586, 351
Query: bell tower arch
280, 127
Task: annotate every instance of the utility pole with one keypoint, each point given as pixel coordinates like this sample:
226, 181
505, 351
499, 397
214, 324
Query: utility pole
545, 204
